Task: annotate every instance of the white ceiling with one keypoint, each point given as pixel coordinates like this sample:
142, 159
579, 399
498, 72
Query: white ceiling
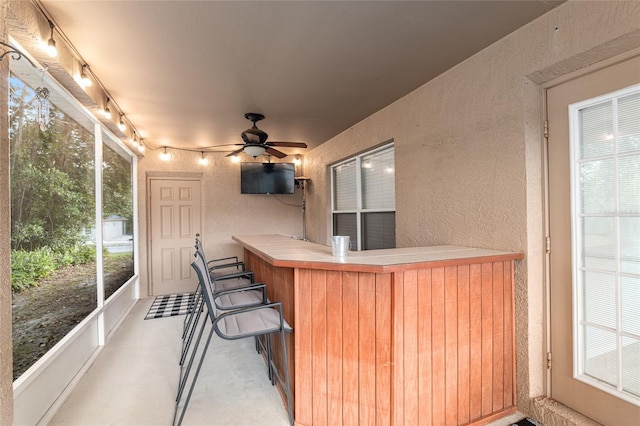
185, 72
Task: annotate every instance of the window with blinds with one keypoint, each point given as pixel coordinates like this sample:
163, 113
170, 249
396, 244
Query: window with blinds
363, 199
605, 156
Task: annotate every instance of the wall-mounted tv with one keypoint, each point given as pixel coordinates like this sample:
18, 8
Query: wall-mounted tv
267, 178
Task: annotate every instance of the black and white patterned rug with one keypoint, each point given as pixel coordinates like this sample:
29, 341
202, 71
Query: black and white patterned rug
170, 305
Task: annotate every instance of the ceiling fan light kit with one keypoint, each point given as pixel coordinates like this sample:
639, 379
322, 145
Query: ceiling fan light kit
255, 140
254, 150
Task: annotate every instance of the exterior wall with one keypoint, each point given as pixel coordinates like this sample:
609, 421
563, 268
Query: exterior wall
469, 155
225, 212
6, 339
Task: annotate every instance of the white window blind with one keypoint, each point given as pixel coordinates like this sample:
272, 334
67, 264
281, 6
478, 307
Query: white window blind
605, 151
344, 186
378, 180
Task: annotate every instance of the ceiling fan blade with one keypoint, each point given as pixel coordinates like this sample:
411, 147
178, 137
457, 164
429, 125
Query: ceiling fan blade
275, 152
288, 144
236, 152
222, 145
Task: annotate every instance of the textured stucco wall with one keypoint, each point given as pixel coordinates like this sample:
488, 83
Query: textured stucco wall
225, 211
469, 154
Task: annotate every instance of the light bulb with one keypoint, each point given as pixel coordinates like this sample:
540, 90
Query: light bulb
164, 155
84, 78
235, 159
121, 124
203, 161
51, 48
107, 113
51, 44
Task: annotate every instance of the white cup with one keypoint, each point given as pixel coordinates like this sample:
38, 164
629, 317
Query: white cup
340, 245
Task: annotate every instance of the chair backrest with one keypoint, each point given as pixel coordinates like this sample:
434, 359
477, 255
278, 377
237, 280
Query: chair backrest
200, 250
221, 264
200, 266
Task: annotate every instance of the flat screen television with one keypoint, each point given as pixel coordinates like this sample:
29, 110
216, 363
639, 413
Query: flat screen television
267, 178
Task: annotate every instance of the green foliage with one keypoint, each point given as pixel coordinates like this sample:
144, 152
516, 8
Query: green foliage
29, 267
52, 176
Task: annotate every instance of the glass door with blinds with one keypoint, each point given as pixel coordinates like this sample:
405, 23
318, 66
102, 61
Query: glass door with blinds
605, 182
594, 229
363, 199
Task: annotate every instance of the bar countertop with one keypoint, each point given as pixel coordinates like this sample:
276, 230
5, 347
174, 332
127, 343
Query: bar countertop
282, 251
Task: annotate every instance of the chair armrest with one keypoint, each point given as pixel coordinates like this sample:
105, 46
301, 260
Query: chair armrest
262, 287
211, 265
241, 274
254, 286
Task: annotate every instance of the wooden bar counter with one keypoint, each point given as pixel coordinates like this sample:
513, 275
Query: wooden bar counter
408, 336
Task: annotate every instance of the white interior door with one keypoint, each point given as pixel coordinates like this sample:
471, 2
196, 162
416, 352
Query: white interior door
594, 221
175, 220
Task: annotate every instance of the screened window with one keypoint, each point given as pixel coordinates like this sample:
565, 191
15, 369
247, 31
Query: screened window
363, 199
54, 183
606, 236
117, 218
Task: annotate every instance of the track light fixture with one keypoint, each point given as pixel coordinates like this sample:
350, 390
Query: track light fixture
51, 44
84, 77
121, 124
106, 113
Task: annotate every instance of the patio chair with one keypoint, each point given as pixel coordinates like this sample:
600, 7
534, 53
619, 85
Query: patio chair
223, 280
255, 321
219, 267
235, 297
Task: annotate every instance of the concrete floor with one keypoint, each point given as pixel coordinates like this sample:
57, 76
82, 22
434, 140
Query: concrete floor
133, 382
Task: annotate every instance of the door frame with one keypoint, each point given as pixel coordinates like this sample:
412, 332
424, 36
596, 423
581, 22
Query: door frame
175, 176
543, 89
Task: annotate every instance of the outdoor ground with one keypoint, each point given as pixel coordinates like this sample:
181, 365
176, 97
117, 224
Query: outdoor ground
44, 314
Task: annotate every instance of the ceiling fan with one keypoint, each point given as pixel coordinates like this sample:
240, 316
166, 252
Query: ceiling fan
255, 140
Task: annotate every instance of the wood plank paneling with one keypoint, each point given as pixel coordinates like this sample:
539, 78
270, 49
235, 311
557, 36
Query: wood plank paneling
487, 336
367, 347
319, 345
438, 347
303, 349
475, 341
498, 337
383, 349
410, 355
451, 344
334, 347
425, 372
509, 337
350, 386
463, 343
397, 378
